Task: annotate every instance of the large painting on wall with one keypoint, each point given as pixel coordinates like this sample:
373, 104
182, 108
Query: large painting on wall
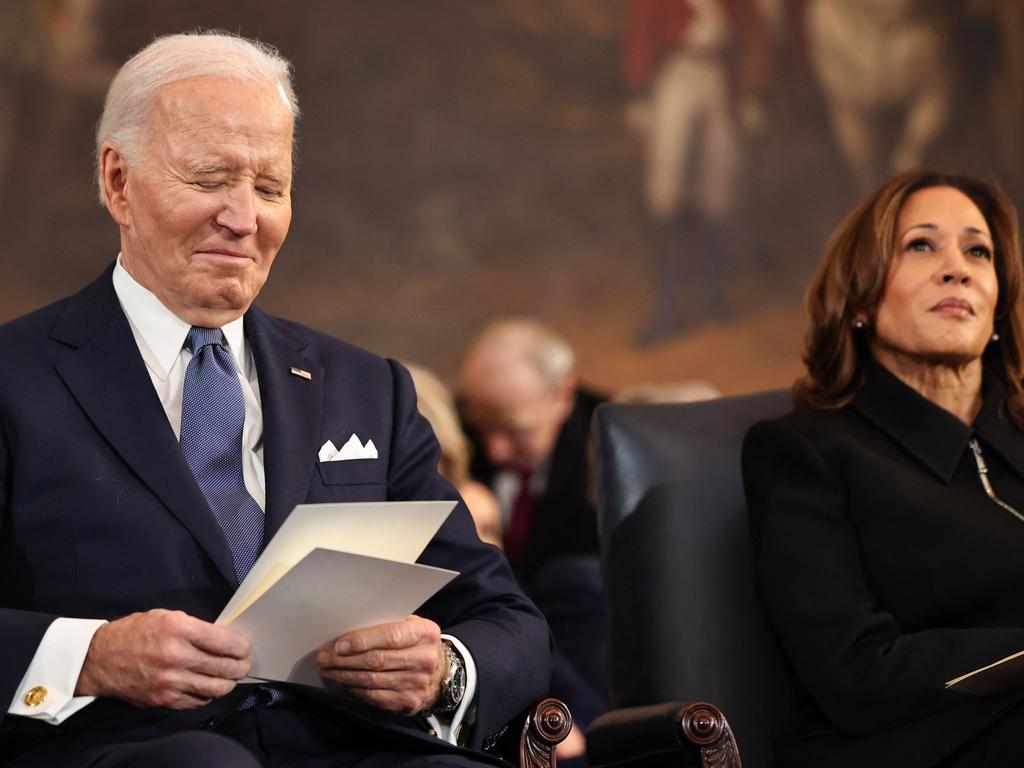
654, 178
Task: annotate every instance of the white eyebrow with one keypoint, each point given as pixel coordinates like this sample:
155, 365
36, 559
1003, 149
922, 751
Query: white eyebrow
207, 169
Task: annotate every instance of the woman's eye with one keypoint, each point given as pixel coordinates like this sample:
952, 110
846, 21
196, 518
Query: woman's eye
980, 251
920, 244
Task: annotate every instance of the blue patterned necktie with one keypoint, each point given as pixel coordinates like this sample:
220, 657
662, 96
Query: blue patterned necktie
212, 417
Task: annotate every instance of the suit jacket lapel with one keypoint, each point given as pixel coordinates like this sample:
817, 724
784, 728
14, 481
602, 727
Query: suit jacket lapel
292, 412
107, 376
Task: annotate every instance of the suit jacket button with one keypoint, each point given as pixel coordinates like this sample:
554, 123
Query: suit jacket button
36, 696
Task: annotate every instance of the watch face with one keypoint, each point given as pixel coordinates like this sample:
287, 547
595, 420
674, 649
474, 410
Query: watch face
458, 684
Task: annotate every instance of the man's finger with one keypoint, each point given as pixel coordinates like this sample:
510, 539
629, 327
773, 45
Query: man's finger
206, 687
392, 635
380, 681
220, 667
219, 641
419, 658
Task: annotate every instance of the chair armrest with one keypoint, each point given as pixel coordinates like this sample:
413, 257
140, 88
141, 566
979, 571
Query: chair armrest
530, 739
674, 733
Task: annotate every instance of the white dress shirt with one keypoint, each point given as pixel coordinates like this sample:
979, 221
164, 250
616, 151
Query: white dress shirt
160, 336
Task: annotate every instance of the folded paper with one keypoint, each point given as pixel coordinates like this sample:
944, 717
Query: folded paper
332, 568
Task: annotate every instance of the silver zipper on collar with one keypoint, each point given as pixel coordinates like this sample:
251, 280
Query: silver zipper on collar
983, 476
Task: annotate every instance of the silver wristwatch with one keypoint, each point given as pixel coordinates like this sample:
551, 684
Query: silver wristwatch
453, 687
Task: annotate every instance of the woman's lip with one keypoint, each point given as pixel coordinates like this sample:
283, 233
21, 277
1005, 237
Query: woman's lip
954, 306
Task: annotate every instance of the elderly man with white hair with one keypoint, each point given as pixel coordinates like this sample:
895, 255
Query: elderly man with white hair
521, 400
156, 429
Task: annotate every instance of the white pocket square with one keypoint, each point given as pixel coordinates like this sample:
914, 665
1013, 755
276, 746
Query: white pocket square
353, 449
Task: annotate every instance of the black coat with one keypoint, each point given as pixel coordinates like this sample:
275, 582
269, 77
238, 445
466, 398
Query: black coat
887, 570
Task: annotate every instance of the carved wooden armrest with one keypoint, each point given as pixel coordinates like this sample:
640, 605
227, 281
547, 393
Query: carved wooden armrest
674, 733
530, 739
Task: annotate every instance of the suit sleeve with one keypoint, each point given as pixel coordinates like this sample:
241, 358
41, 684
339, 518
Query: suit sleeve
484, 606
22, 631
851, 654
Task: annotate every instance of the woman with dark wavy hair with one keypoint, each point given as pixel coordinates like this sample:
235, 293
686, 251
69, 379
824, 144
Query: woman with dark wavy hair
887, 508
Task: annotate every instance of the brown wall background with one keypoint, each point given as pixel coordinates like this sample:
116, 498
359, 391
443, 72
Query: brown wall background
464, 159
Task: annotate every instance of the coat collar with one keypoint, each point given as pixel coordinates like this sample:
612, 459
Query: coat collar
104, 371
931, 434
293, 406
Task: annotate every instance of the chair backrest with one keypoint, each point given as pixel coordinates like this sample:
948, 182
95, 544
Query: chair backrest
685, 619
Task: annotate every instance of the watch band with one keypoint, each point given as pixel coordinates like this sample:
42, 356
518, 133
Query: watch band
453, 686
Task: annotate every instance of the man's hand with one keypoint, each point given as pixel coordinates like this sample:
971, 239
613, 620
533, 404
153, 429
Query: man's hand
164, 659
398, 666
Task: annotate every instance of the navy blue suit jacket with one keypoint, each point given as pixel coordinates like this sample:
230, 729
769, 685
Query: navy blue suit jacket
100, 516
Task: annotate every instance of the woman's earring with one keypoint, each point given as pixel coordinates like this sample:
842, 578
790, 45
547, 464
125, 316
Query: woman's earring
995, 337
860, 325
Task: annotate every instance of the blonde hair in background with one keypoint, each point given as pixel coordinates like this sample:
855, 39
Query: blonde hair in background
435, 402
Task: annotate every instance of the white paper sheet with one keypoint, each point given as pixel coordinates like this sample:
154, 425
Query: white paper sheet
329, 569
391, 530
325, 595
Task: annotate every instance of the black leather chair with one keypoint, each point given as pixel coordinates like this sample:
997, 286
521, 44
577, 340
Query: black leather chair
688, 638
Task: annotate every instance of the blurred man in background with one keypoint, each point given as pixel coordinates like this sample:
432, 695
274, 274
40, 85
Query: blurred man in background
523, 404
530, 418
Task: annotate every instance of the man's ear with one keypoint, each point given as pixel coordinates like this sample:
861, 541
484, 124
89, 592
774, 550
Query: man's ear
114, 181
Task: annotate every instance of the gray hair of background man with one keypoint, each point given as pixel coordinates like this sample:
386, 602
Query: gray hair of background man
173, 58
549, 353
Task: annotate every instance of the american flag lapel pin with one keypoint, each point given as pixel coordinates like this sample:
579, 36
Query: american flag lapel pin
301, 373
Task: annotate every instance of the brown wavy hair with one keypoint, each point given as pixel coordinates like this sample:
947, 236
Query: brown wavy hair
851, 279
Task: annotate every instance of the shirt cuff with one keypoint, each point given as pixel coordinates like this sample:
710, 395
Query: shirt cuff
448, 727
47, 690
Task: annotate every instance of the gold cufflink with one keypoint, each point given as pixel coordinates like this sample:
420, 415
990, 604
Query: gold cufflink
36, 696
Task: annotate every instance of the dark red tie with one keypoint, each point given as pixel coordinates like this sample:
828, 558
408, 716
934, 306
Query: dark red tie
519, 526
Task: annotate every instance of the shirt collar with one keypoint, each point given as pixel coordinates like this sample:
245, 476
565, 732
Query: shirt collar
927, 431
160, 332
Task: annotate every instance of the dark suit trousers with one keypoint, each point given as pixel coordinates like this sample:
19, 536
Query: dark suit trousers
262, 737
